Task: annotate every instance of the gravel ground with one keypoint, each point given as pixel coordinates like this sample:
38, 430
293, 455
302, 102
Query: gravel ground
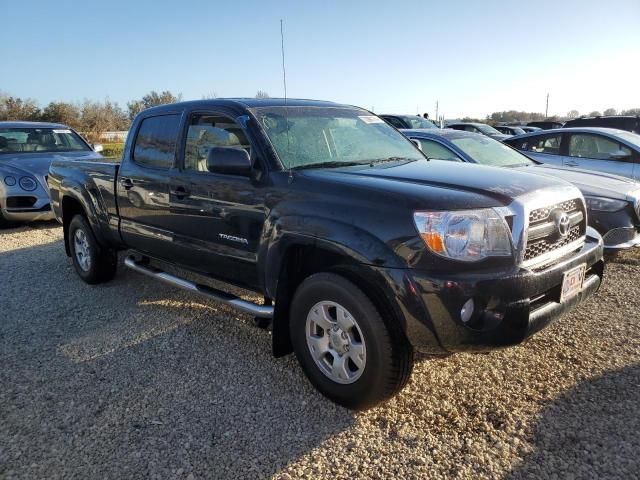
135, 379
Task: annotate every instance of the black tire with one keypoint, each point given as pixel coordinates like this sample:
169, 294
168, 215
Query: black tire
389, 355
102, 262
4, 223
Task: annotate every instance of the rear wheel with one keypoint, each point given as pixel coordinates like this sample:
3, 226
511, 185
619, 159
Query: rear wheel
345, 348
93, 263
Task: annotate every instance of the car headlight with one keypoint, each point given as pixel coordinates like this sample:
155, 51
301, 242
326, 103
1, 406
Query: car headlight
465, 235
27, 183
603, 204
10, 181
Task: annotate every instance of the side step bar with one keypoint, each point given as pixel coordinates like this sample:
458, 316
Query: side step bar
262, 311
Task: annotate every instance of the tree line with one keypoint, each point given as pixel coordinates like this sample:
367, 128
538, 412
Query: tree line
517, 116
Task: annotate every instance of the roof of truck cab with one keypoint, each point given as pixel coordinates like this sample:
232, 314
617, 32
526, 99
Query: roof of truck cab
11, 124
249, 103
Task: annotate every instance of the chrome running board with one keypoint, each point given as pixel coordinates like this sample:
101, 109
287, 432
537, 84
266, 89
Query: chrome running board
262, 311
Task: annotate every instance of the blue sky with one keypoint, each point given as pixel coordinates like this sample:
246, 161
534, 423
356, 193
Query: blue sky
393, 56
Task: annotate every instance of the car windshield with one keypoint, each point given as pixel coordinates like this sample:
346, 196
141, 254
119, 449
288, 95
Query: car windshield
419, 122
629, 137
30, 140
332, 136
487, 151
486, 129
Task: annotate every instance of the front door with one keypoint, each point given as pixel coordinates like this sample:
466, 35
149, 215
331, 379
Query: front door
221, 216
598, 152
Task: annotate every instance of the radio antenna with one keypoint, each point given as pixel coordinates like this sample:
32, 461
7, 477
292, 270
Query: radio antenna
284, 82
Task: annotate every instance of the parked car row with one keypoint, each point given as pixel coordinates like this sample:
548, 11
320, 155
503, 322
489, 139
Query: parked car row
364, 247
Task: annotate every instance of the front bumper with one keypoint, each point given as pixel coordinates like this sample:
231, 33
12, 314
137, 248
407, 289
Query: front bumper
28, 214
509, 306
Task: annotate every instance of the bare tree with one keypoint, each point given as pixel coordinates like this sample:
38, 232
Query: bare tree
595, 113
631, 111
610, 111
573, 114
262, 94
210, 96
151, 99
98, 118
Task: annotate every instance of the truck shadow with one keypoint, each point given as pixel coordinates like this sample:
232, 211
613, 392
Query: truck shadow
164, 380
590, 431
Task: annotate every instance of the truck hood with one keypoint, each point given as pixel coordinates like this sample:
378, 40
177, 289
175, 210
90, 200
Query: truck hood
501, 184
590, 183
37, 163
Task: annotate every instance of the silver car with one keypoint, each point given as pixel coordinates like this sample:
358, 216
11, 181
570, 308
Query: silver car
26, 151
589, 148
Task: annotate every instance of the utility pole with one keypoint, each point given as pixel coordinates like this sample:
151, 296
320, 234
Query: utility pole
436, 110
546, 111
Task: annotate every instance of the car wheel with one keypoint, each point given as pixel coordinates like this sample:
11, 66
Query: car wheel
344, 346
93, 263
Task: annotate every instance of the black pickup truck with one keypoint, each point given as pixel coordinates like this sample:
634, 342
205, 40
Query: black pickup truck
362, 248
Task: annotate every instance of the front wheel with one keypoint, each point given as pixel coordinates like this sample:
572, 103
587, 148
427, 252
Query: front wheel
345, 348
93, 263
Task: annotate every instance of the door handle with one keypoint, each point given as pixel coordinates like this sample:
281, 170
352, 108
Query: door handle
179, 192
572, 163
126, 183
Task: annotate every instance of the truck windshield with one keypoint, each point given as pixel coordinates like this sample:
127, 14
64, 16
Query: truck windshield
487, 151
331, 136
31, 140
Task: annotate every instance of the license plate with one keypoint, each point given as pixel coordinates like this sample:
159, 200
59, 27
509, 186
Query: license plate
572, 282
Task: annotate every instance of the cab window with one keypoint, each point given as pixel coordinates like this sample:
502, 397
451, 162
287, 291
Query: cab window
155, 144
207, 131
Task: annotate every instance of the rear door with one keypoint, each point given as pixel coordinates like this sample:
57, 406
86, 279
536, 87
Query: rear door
221, 216
592, 151
146, 221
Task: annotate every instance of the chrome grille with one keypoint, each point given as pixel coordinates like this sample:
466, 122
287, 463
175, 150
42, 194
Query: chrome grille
543, 234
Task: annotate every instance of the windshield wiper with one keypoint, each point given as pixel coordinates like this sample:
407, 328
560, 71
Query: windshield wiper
331, 164
390, 159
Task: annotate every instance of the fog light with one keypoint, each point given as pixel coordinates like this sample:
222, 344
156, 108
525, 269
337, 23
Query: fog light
467, 311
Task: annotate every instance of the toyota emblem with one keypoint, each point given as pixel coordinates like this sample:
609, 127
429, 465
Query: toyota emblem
563, 223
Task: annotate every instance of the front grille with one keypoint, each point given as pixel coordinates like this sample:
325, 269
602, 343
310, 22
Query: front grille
21, 202
541, 247
544, 232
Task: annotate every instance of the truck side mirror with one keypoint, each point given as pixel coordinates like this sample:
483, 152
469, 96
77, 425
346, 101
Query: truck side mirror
97, 147
228, 161
416, 143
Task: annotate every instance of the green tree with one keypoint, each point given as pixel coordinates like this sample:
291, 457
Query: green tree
62, 112
15, 108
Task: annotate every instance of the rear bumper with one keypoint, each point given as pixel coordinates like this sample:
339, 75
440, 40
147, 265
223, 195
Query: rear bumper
508, 306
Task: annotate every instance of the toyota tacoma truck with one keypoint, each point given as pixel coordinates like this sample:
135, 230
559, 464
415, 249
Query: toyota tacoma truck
362, 248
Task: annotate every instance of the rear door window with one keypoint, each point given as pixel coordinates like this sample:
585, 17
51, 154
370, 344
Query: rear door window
594, 146
437, 151
155, 145
396, 122
549, 144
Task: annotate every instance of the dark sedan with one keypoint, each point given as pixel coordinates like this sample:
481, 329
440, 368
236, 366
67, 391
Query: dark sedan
613, 202
482, 128
407, 121
509, 129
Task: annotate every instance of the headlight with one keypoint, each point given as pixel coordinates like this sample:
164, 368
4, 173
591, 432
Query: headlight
603, 204
465, 235
27, 183
10, 181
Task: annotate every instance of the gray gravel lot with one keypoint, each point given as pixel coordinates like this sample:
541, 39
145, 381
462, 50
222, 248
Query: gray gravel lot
136, 379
